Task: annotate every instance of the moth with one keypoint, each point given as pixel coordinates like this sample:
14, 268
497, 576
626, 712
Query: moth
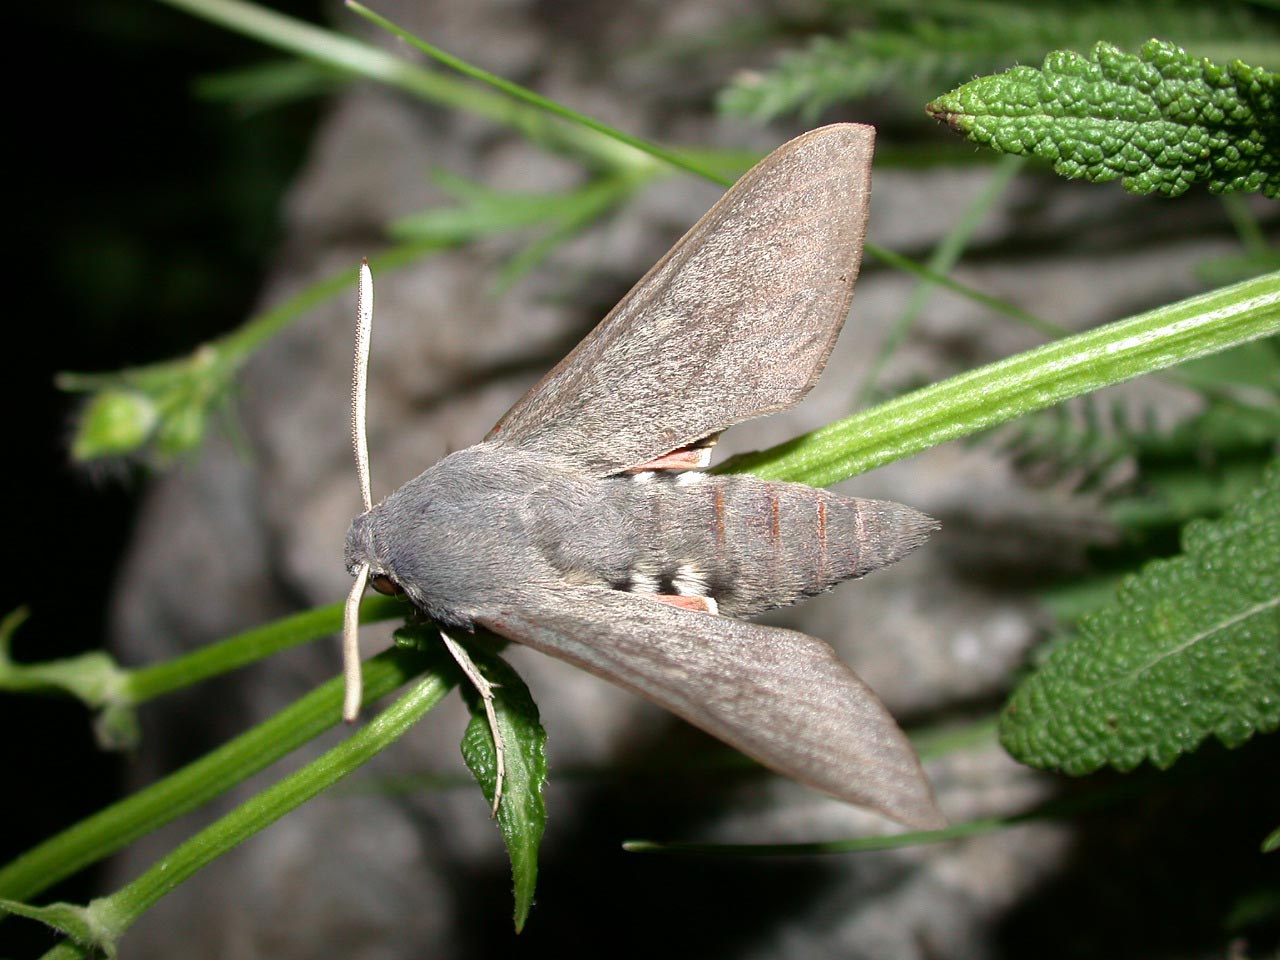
585, 526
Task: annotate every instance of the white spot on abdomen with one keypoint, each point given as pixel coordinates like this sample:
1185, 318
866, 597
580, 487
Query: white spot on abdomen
689, 581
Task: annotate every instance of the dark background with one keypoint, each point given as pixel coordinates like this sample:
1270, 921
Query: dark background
146, 220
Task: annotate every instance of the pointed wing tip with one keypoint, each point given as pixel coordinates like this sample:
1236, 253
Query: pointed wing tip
935, 822
906, 797
863, 132
924, 815
856, 142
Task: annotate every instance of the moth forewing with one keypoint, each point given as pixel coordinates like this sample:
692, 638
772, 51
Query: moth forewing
750, 301
584, 507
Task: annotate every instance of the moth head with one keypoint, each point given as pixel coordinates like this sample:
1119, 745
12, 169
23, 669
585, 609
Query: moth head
383, 583
364, 555
361, 550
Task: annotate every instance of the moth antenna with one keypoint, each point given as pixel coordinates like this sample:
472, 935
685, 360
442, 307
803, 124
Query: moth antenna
360, 444
485, 689
351, 647
359, 380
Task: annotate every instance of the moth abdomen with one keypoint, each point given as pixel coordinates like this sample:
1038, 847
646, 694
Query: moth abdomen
753, 545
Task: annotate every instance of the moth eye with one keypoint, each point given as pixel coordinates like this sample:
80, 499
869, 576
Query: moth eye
384, 584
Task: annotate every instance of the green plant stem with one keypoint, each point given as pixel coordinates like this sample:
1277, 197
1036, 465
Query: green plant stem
273, 803
524, 95
116, 913
1000, 392
66, 950
528, 114
147, 683
229, 352
1053, 810
933, 742
364, 60
994, 304
118, 825
240, 344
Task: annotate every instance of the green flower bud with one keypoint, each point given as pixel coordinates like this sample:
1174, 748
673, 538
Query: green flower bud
115, 423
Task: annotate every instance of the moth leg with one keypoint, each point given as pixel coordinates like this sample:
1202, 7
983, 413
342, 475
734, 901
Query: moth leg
485, 689
700, 604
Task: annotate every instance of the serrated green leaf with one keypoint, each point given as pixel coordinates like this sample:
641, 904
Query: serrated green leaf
1160, 121
900, 49
1190, 647
522, 815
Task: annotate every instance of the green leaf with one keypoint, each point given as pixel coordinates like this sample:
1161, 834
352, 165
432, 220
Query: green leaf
1160, 121
1257, 906
522, 815
484, 212
480, 212
1272, 843
907, 50
1189, 647
1171, 494
267, 85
